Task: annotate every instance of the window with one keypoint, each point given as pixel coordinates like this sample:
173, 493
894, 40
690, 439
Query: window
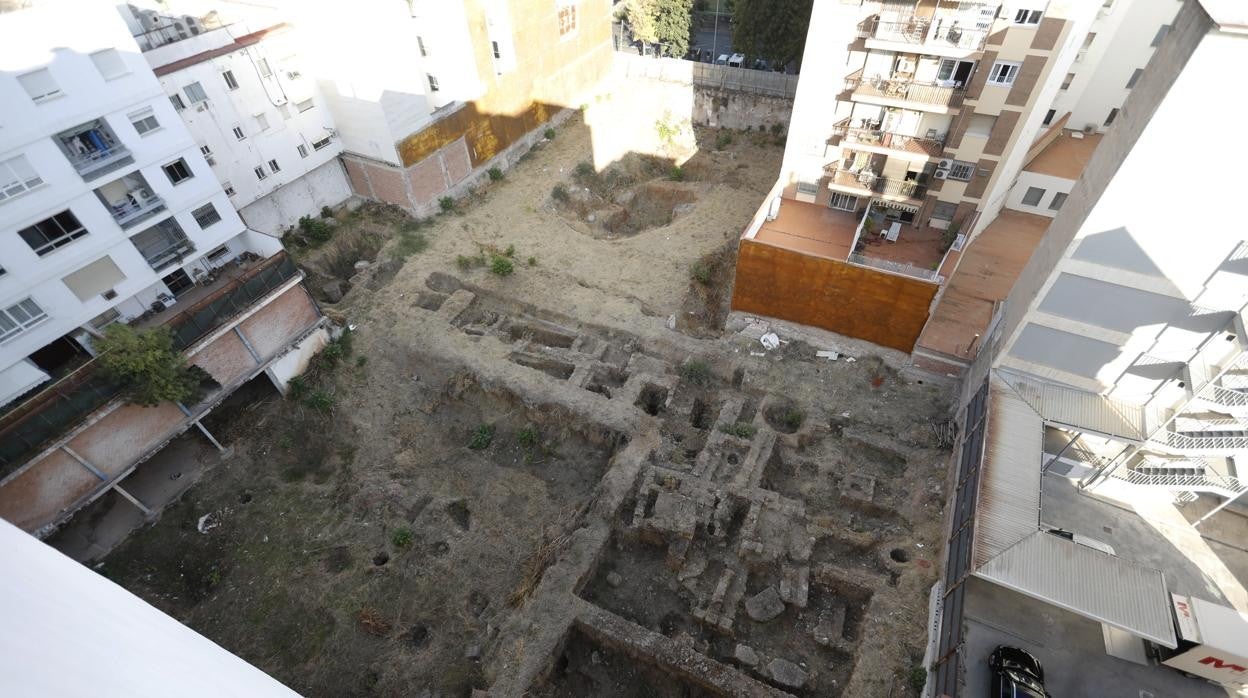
217, 254
944, 210
303, 150
51, 233
1070, 77
195, 93
17, 177
262, 122
1033, 196
1113, 114
238, 133
961, 171
304, 105
323, 143
810, 188
144, 121
433, 83
177, 102
206, 215
260, 173
263, 66
1031, 17
981, 125
1161, 34
567, 17
843, 202
177, 171
39, 85
230, 82
284, 109
229, 188
497, 53
1135, 77
207, 153
1003, 73
420, 44
110, 63
1048, 116
274, 167
1058, 199
19, 317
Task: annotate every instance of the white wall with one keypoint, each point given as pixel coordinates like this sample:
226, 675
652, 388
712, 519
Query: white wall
277, 98
325, 186
68, 631
1124, 34
27, 128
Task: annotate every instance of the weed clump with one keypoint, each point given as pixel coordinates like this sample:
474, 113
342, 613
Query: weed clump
501, 266
481, 437
700, 272
495, 174
583, 170
320, 400
447, 204
327, 212
527, 436
315, 229
793, 419
550, 133
677, 174
743, 430
559, 193
696, 372
532, 261
723, 141
402, 537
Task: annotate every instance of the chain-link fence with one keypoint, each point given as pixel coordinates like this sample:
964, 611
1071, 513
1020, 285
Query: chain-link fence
57, 408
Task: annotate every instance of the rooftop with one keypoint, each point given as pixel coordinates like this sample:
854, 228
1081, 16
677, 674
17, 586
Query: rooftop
984, 276
239, 43
1066, 156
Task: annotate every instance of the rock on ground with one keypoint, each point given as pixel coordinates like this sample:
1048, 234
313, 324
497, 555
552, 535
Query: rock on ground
765, 605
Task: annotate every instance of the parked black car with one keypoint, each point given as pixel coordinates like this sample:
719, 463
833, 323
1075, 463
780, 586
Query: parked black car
1016, 673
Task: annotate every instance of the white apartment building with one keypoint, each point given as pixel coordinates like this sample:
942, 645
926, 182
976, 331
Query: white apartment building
258, 119
108, 207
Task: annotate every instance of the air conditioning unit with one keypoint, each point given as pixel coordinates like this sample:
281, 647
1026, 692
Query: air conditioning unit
109, 294
945, 164
1089, 128
941, 174
293, 75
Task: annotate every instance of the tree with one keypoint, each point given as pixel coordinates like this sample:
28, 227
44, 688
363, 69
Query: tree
663, 22
148, 365
772, 29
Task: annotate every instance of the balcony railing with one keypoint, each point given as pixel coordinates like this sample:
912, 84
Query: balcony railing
130, 213
895, 267
886, 186
94, 163
929, 147
901, 88
941, 31
33, 423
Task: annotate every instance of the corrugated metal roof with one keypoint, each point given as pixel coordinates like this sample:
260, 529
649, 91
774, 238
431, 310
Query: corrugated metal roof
1089, 582
1079, 409
1009, 489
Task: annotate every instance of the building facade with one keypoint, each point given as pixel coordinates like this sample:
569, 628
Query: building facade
1099, 468
259, 120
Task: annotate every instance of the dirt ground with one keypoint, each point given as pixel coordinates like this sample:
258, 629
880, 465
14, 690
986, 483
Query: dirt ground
396, 525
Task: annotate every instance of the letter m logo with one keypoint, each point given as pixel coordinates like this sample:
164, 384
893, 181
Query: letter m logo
1219, 664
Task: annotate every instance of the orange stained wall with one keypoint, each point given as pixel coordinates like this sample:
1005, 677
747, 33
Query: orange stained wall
551, 73
883, 308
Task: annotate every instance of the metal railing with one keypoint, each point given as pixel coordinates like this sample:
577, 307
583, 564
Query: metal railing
889, 186
97, 162
1197, 443
129, 213
904, 89
1234, 399
940, 31
895, 267
41, 418
932, 147
1204, 481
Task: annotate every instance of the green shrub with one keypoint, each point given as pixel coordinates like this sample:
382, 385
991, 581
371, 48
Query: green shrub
320, 400
402, 537
701, 272
296, 388
447, 204
677, 174
495, 174
481, 437
463, 262
510, 251
501, 266
696, 372
550, 133
777, 128
793, 419
316, 229
723, 141
744, 430
532, 261
148, 365
918, 678
327, 212
559, 193
583, 170
361, 360
527, 436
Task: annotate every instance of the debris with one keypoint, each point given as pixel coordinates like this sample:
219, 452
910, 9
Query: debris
671, 322
473, 652
614, 579
207, 522
362, 264
770, 341
787, 673
828, 355
765, 605
746, 655
850, 359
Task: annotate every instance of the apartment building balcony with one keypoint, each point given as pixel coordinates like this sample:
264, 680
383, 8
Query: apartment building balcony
867, 183
941, 34
130, 200
905, 92
93, 149
163, 244
870, 138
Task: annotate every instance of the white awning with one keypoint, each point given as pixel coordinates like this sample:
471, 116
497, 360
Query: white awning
1080, 410
1088, 582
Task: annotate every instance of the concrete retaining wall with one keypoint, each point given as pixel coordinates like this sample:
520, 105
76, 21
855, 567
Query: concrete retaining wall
325, 186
